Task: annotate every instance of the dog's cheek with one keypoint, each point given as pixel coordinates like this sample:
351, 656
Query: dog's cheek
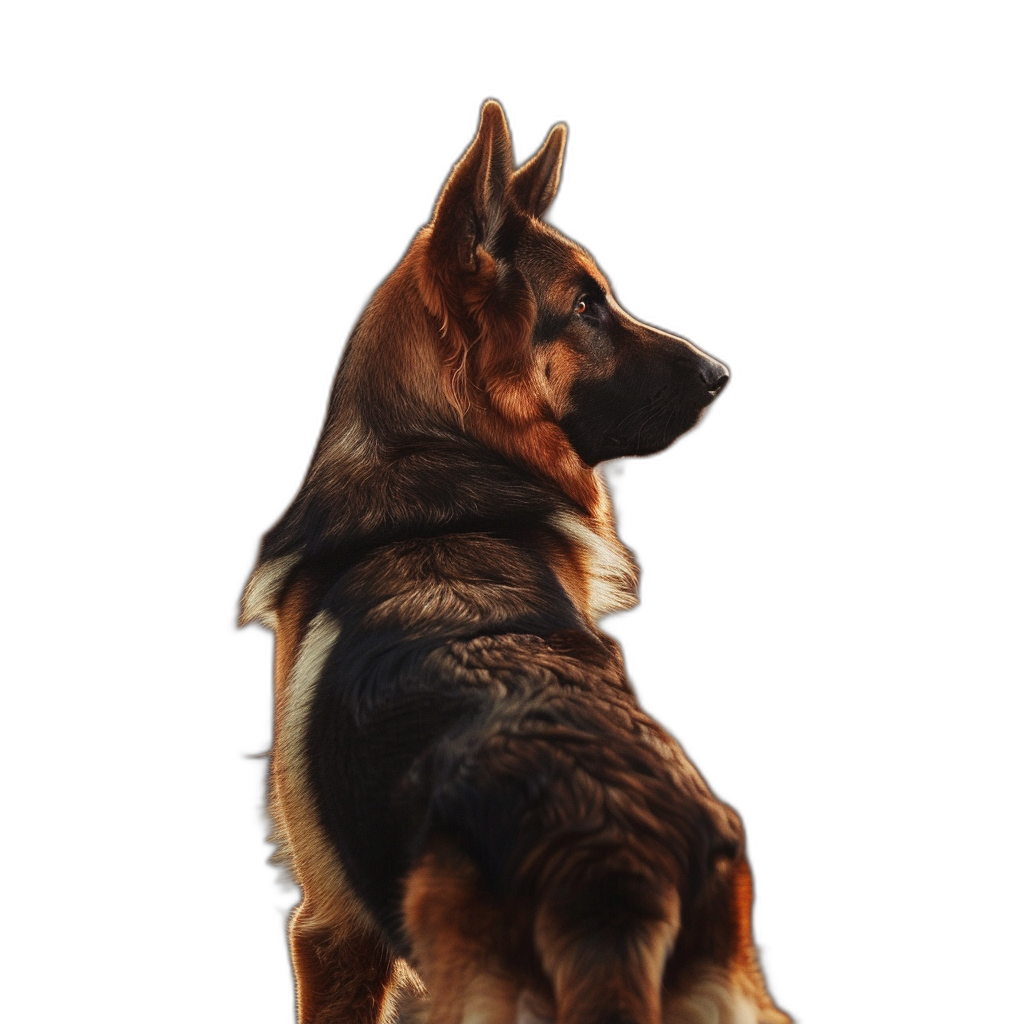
592, 411
558, 368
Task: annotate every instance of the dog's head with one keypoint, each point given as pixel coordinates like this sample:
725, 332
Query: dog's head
540, 359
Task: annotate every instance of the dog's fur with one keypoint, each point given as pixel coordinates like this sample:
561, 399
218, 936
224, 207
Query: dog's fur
484, 824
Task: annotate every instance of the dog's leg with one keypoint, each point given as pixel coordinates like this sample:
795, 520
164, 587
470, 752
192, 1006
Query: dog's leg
452, 926
604, 947
344, 973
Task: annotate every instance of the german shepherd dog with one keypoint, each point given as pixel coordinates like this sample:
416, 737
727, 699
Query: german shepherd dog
485, 826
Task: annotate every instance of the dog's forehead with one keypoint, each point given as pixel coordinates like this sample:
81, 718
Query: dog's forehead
556, 264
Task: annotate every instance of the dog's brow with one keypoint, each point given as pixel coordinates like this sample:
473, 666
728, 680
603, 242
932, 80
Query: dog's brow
586, 282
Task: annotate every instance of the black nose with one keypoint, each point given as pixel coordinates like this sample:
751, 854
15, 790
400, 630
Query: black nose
716, 376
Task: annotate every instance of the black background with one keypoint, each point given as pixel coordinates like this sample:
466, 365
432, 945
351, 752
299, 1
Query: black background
720, 211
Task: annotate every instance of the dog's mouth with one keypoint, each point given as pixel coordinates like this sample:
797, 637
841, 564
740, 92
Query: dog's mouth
660, 421
645, 405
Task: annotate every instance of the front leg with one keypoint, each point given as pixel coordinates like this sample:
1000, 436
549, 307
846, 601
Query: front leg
344, 973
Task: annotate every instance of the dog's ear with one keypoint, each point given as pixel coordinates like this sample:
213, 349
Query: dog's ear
535, 183
472, 202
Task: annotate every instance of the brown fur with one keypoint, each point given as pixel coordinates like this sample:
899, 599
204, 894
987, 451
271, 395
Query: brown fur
453, 507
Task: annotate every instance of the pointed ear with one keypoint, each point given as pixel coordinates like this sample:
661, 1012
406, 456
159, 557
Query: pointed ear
535, 183
473, 199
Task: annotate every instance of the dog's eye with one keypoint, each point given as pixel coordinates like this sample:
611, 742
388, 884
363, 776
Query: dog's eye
588, 306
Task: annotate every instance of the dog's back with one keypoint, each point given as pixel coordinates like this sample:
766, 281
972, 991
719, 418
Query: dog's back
485, 825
